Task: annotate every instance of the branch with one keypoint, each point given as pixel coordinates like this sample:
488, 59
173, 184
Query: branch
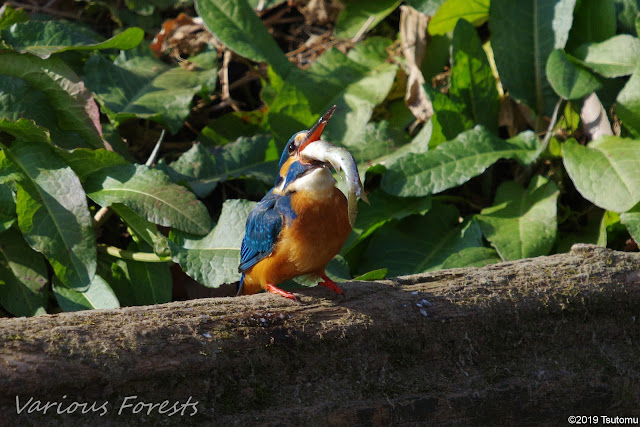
534, 340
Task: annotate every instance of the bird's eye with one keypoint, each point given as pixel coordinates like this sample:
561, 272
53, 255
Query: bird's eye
292, 147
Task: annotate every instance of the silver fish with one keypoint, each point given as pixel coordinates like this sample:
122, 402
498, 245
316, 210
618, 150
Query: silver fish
341, 160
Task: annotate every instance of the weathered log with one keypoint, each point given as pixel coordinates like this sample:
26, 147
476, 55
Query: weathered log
526, 341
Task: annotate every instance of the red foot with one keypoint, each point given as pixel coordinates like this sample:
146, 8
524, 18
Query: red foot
328, 283
276, 290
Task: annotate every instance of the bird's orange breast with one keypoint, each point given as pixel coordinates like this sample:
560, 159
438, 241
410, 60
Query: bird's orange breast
307, 243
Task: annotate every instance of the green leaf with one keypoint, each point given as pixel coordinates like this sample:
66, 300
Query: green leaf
472, 257
151, 281
535, 27
84, 161
355, 82
148, 88
378, 274
34, 87
238, 27
420, 243
51, 205
99, 295
455, 162
615, 57
203, 169
150, 194
357, 14
447, 16
7, 206
522, 223
428, 7
472, 82
12, 16
213, 259
627, 11
632, 220
628, 104
43, 38
23, 276
605, 172
449, 119
568, 78
593, 21
383, 208
143, 229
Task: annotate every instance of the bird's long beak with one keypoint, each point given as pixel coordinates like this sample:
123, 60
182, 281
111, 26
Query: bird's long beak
315, 133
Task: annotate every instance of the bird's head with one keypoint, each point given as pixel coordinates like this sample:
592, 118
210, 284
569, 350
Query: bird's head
293, 163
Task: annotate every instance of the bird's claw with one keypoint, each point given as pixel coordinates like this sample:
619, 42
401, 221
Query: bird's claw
276, 290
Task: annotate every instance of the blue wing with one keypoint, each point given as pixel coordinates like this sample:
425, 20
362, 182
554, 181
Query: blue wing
263, 229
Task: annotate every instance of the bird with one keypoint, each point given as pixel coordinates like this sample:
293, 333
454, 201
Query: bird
303, 221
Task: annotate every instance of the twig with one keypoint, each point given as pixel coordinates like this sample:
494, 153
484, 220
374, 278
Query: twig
226, 91
363, 29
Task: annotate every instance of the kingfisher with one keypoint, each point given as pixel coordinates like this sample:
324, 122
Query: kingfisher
304, 220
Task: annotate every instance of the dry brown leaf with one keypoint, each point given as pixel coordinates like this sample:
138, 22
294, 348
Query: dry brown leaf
413, 33
181, 37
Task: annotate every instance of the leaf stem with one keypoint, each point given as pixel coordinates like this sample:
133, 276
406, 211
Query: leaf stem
135, 256
552, 124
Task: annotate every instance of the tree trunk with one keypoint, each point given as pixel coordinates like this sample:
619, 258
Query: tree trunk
535, 340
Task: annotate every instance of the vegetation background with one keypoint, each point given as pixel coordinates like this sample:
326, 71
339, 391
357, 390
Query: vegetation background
137, 135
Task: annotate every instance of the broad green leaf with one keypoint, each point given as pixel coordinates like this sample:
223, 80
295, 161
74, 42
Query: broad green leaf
447, 16
377, 140
357, 14
615, 57
628, 104
99, 295
204, 168
51, 205
568, 77
455, 162
355, 82
420, 243
419, 144
472, 82
43, 38
150, 194
522, 223
148, 88
23, 276
264, 4
49, 92
7, 206
378, 274
632, 220
449, 119
84, 161
213, 259
593, 21
428, 7
143, 229
472, 257
382, 209
605, 172
238, 27
151, 281
523, 34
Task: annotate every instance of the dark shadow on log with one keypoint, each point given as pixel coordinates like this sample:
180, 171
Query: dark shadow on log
529, 341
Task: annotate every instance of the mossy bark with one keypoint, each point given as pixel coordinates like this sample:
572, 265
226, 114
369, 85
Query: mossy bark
534, 340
